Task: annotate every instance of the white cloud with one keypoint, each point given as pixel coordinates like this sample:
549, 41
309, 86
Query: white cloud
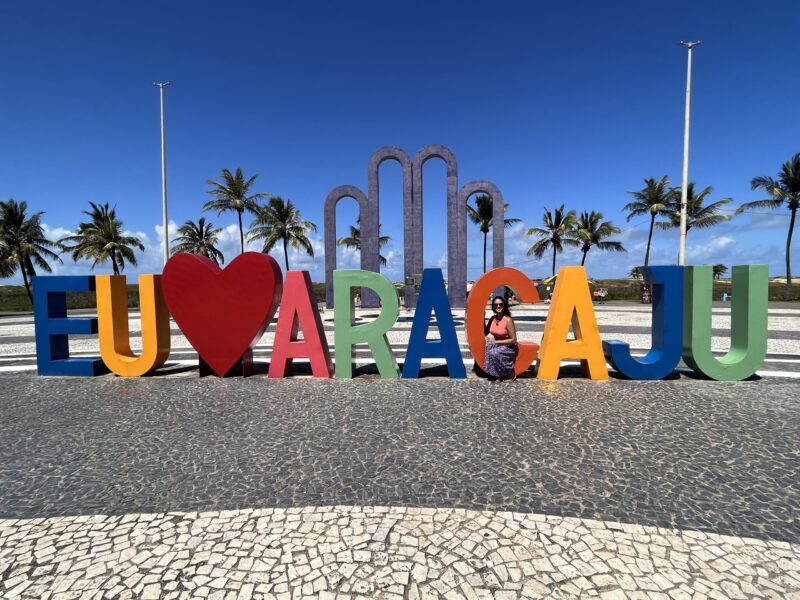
761, 221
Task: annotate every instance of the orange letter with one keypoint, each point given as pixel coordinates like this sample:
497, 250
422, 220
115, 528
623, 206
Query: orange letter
571, 302
479, 296
299, 308
112, 325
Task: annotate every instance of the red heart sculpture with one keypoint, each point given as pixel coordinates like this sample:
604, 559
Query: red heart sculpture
222, 313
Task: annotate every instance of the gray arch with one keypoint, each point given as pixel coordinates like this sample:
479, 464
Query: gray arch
367, 234
456, 227
373, 190
481, 186
369, 211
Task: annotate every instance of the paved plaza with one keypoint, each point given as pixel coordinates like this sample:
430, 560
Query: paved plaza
180, 487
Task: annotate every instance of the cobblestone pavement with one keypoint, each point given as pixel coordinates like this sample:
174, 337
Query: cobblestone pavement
378, 552
715, 456
176, 486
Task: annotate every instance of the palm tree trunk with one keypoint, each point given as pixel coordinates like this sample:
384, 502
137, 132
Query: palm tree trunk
241, 231
484, 251
114, 263
25, 280
788, 255
554, 260
286, 255
583, 259
649, 238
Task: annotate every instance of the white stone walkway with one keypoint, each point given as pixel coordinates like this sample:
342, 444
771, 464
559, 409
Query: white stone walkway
379, 552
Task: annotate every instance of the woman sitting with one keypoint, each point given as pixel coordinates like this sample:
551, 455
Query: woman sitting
501, 343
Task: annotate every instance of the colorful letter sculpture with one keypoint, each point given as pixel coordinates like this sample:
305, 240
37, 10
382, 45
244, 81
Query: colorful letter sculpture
667, 329
571, 303
53, 326
479, 295
112, 318
222, 313
433, 298
348, 334
299, 311
748, 323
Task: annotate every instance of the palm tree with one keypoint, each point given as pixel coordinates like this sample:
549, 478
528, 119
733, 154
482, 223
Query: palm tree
592, 232
653, 199
784, 190
23, 244
697, 215
635, 273
233, 194
482, 214
354, 239
101, 239
278, 221
6, 261
558, 231
719, 270
199, 238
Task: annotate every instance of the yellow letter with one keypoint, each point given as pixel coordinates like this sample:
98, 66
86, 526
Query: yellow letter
571, 302
112, 325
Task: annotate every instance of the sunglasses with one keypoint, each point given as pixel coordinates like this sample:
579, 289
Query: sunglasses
498, 304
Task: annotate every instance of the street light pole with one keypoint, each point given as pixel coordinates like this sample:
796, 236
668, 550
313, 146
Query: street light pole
161, 87
685, 184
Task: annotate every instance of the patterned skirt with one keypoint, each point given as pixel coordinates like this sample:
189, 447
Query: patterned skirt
500, 359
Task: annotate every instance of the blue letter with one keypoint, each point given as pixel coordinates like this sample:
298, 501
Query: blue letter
667, 328
53, 326
433, 297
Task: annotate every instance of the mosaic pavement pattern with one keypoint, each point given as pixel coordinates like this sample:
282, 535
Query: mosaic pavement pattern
377, 552
179, 487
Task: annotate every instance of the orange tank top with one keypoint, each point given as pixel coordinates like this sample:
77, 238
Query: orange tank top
499, 329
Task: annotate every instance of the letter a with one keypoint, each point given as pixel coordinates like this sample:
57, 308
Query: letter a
112, 320
433, 298
348, 334
299, 312
571, 302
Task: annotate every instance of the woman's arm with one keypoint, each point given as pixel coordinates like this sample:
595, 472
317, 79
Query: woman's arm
512, 333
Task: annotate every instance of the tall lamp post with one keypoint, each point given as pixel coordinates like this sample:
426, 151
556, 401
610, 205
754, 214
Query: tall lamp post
685, 184
161, 87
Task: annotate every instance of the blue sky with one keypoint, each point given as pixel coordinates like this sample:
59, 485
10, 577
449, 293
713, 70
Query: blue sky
555, 102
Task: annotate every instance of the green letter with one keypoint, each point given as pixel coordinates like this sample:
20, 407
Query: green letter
347, 333
748, 323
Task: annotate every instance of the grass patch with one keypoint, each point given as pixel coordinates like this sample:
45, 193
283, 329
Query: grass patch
15, 298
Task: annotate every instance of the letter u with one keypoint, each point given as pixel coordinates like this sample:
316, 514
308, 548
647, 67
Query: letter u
748, 323
112, 324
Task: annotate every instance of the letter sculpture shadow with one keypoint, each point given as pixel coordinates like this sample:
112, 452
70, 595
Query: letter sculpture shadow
369, 211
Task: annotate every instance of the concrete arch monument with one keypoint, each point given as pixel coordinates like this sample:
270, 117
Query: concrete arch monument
373, 187
456, 230
413, 243
370, 256
481, 186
